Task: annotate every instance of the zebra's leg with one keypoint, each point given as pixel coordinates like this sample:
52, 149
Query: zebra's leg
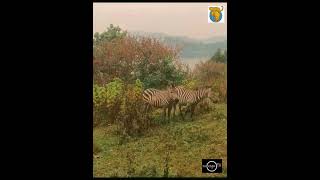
164, 113
169, 112
149, 109
181, 112
187, 109
174, 109
147, 114
145, 108
192, 110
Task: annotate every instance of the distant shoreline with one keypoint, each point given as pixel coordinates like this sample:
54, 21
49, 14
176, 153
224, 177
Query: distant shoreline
193, 61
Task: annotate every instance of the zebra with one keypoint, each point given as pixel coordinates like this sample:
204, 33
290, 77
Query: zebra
190, 98
159, 99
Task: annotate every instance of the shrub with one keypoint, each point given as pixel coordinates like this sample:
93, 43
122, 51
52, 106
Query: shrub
118, 55
212, 74
189, 83
107, 101
131, 117
99, 104
219, 88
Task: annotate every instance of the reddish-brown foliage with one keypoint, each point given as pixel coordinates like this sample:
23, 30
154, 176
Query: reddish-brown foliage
120, 57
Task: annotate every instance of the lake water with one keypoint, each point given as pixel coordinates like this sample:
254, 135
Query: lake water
193, 61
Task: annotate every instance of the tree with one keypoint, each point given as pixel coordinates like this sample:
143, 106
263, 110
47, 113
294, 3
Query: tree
220, 56
161, 74
130, 58
112, 32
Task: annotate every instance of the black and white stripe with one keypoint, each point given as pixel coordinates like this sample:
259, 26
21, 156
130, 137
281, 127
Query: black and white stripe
159, 99
190, 98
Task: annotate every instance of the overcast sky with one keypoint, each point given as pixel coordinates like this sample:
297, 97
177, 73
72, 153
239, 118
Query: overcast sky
182, 19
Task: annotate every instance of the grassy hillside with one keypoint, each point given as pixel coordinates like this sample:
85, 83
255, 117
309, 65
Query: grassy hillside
183, 143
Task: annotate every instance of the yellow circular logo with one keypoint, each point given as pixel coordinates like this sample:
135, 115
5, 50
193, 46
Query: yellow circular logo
215, 13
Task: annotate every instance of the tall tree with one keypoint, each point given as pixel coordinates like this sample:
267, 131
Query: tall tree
220, 56
112, 32
225, 56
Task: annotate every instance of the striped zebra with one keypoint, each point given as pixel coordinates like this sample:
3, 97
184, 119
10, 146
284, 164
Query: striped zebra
190, 98
159, 99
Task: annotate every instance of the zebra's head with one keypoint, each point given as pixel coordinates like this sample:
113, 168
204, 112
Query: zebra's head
172, 93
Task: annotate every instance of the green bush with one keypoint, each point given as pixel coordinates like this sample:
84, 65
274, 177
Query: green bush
107, 101
131, 117
114, 90
116, 54
160, 74
219, 88
120, 104
189, 83
99, 96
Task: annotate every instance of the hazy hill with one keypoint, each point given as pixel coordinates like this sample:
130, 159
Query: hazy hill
191, 48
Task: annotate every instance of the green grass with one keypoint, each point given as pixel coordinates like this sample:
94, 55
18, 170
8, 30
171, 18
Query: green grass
187, 142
